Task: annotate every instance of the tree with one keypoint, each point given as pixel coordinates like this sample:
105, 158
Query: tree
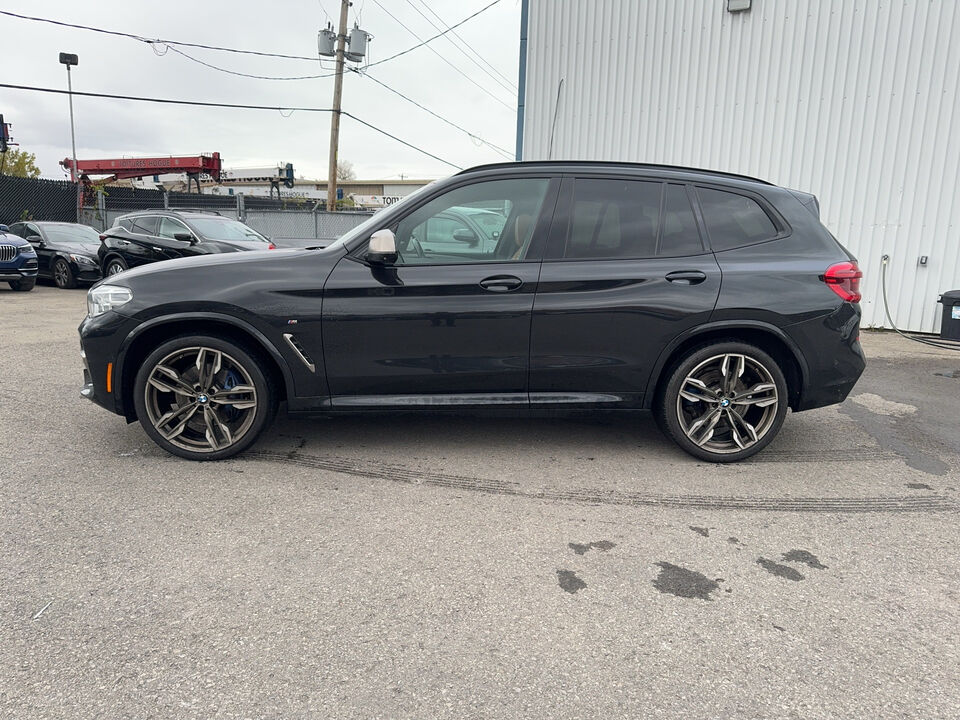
19, 163
345, 171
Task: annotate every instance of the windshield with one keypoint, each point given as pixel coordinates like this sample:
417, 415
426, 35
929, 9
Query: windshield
71, 234
225, 229
376, 221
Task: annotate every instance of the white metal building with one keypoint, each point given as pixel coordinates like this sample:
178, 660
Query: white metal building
856, 101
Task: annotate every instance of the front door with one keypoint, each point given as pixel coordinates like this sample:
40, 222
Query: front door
449, 322
626, 272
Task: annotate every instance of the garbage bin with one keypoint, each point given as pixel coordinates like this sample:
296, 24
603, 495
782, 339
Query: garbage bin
950, 325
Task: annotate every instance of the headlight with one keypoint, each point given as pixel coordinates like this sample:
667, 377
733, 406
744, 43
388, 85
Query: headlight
83, 260
27, 250
104, 298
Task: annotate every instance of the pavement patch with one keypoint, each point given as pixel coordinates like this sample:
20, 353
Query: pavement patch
881, 406
784, 571
700, 530
679, 581
569, 581
601, 545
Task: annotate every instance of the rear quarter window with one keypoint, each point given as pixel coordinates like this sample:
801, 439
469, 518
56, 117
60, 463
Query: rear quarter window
734, 220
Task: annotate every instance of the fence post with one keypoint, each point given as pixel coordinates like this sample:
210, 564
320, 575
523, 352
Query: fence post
102, 208
166, 199
241, 210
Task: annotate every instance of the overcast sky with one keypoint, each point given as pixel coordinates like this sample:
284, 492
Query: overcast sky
245, 138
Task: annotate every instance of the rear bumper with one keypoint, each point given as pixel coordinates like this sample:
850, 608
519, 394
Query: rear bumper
835, 361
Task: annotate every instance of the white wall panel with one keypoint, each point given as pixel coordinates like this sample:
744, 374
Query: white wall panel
856, 101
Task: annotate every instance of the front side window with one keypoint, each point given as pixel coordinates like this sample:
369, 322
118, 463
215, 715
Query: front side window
443, 231
734, 220
170, 227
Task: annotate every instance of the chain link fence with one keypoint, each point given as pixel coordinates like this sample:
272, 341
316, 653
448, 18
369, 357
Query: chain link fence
63, 201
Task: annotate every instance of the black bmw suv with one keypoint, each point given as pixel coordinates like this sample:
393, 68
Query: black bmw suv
149, 236
715, 300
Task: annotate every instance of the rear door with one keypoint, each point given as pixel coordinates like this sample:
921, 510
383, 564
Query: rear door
136, 247
626, 272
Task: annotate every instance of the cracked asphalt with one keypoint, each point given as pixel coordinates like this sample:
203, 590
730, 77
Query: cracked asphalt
476, 568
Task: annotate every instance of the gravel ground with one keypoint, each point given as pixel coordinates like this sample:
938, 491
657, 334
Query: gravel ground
468, 568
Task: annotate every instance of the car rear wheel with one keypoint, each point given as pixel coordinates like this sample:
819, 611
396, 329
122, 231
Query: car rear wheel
204, 398
115, 266
63, 275
724, 402
25, 285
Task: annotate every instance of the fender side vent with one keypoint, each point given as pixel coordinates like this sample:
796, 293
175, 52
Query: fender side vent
301, 353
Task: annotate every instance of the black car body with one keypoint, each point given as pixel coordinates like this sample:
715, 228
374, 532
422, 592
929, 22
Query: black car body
66, 252
150, 236
18, 261
716, 300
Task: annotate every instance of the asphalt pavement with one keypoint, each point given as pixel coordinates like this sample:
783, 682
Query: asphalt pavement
476, 568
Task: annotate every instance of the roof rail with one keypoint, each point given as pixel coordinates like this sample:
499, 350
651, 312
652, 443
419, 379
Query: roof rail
206, 211
595, 163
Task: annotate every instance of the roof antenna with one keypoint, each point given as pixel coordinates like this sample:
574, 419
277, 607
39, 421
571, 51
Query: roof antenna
553, 127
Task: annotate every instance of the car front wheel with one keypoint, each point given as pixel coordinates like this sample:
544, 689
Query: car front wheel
63, 275
724, 402
204, 398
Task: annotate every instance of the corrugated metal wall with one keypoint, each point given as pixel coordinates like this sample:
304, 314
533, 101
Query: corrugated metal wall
856, 101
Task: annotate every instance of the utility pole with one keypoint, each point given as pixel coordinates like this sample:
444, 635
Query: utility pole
335, 116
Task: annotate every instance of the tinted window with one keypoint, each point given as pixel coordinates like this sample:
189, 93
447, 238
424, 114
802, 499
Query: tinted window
145, 225
440, 232
734, 220
17, 229
613, 219
125, 224
679, 234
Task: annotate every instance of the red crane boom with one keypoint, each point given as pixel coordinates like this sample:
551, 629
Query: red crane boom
118, 168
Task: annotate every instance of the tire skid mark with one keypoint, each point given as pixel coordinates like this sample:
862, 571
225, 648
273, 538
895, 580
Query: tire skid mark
592, 496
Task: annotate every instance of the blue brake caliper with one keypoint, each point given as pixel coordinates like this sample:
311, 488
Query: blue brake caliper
229, 383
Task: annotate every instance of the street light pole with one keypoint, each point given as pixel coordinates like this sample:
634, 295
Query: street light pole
69, 60
335, 116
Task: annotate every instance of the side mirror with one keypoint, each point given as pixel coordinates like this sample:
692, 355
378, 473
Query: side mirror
184, 237
465, 235
383, 248
35, 239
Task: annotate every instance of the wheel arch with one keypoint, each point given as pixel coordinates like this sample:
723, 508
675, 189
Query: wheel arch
769, 338
147, 336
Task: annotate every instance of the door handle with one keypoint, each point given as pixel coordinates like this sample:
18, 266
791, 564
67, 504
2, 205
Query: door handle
501, 283
687, 277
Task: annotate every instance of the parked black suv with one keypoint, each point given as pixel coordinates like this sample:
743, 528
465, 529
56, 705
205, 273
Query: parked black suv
716, 300
152, 235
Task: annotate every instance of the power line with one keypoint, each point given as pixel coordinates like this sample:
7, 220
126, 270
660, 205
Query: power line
237, 106
424, 42
503, 151
143, 38
434, 51
247, 75
504, 83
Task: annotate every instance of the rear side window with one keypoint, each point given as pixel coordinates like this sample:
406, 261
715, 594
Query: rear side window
613, 219
144, 225
734, 220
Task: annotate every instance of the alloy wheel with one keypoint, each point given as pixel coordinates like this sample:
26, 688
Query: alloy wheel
727, 403
61, 274
200, 399
114, 268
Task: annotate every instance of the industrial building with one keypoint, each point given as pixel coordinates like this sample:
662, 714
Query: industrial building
856, 101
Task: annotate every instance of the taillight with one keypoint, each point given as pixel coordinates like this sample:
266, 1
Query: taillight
844, 279
102, 238
271, 246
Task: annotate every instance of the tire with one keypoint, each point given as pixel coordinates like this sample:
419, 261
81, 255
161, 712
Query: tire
25, 285
722, 416
63, 275
114, 265
180, 421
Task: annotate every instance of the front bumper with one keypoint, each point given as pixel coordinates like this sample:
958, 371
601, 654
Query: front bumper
19, 269
100, 341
